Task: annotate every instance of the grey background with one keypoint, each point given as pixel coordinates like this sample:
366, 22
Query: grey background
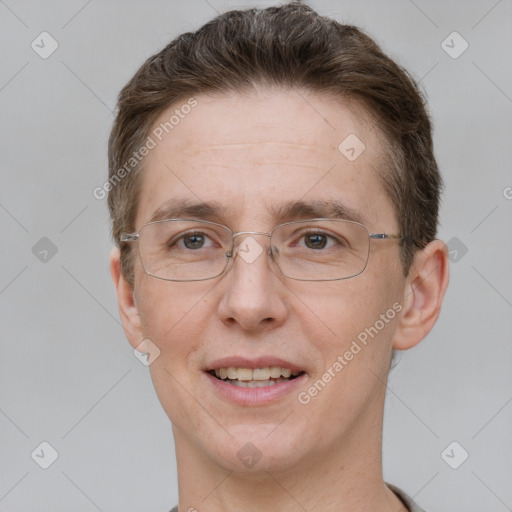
67, 374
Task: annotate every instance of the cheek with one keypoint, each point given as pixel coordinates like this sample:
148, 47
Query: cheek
173, 316
361, 317
345, 308
358, 319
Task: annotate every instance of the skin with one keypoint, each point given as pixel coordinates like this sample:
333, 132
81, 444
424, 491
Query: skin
249, 152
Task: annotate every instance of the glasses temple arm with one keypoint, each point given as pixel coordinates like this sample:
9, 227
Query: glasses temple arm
129, 237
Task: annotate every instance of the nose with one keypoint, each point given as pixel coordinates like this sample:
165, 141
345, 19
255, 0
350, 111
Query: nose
254, 295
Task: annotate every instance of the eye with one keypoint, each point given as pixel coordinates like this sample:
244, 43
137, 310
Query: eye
192, 240
317, 240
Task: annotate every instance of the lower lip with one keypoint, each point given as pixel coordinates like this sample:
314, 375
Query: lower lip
255, 396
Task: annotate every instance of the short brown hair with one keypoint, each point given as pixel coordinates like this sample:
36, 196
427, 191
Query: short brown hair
290, 46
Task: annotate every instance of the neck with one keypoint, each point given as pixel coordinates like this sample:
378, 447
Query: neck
346, 477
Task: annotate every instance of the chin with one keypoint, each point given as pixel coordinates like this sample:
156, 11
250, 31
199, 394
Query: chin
256, 449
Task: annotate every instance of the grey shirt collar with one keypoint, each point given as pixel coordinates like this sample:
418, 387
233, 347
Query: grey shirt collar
407, 500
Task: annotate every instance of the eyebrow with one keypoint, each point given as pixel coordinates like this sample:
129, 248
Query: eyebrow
185, 208
333, 209
284, 212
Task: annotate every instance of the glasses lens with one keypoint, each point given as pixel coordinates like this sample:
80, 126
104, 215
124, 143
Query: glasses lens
179, 250
318, 250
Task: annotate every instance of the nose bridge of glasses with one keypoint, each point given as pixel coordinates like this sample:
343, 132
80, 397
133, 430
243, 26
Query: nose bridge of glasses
239, 243
238, 233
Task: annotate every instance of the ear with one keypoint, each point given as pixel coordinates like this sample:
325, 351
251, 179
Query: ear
423, 295
126, 301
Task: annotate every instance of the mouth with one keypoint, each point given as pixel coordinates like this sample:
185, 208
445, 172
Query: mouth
255, 377
254, 381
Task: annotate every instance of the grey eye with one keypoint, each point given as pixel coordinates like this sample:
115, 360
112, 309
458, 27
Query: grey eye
194, 241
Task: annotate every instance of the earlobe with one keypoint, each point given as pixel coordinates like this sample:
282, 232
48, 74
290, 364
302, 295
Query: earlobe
423, 295
128, 310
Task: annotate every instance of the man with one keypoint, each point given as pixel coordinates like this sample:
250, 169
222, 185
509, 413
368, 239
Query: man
274, 199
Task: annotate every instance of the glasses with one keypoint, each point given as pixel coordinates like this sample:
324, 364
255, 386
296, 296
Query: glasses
309, 250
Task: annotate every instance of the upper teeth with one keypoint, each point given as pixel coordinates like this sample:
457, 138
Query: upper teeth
266, 373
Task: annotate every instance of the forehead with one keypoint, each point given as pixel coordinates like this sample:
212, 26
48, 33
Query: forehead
259, 152
281, 119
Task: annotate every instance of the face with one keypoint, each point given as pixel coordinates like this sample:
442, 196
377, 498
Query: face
250, 154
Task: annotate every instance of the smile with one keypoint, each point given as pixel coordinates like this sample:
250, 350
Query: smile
255, 377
